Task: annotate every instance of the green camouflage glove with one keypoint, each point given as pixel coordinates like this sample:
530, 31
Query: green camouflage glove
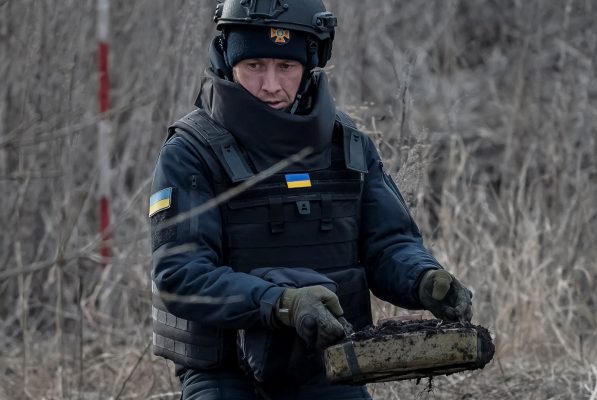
313, 311
445, 296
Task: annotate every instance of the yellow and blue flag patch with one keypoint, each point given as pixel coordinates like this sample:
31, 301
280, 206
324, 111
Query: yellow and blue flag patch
294, 181
160, 201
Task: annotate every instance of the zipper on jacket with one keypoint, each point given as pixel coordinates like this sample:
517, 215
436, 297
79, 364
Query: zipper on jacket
394, 190
387, 180
194, 202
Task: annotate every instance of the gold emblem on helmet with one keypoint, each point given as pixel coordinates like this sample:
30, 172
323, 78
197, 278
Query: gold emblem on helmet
279, 35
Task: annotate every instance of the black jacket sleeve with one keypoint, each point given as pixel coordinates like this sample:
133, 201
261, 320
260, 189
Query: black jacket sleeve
187, 249
392, 246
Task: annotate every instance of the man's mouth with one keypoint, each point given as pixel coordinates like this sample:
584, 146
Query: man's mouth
275, 104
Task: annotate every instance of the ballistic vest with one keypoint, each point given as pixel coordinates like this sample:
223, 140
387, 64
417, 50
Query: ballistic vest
304, 219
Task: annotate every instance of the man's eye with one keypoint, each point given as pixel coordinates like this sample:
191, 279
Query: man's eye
287, 66
253, 65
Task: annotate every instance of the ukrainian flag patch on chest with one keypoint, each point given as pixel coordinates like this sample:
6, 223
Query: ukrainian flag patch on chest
160, 201
294, 181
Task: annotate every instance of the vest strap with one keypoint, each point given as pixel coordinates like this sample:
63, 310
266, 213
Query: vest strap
276, 211
220, 140
239, 170
354, 150
326, 212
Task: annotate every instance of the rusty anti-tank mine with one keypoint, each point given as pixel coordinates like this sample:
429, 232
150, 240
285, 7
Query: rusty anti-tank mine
397, 350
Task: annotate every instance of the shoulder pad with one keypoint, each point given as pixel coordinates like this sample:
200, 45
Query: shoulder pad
344, 119
198, 126
190, 123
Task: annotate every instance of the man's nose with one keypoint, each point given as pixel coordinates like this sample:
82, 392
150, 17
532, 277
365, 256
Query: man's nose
271, 81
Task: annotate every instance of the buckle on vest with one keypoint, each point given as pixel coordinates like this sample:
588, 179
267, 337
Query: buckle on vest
304, 207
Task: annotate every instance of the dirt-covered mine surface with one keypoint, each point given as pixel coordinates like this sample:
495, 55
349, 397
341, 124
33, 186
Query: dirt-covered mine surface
521, 378
430, 327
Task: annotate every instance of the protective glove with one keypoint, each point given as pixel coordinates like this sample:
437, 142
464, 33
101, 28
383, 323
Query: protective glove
313, 312
443, 295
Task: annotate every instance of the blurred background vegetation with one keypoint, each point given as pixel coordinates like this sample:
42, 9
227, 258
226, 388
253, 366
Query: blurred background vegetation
486, 112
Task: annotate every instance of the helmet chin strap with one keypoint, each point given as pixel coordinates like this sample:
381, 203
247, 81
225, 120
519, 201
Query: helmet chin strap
303, 89
218, 59
312, 62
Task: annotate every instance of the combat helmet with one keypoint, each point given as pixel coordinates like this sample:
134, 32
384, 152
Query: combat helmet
307, 16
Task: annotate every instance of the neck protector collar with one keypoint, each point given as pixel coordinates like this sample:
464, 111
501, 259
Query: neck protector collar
270, 135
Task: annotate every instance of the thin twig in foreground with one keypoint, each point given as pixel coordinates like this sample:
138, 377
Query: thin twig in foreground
133, 370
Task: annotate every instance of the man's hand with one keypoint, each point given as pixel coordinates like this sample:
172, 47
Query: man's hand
445, 296
313, 311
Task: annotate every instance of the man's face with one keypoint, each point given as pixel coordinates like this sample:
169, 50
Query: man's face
273, 81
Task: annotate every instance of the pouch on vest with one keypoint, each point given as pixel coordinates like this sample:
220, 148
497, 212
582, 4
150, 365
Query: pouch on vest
281, 355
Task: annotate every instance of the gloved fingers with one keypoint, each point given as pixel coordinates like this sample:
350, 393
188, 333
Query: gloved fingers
462, 300
348, 330
327, 337
462, 291
320, 327
307, 329
468, 314
330, 330
450, 314
445, 296
332, 303
462, 311
442, 281
461, 308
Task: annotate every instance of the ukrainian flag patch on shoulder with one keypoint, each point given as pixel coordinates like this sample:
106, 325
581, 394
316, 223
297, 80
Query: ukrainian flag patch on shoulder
294, 181
160, 201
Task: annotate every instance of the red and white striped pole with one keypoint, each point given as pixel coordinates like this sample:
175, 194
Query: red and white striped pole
104, 129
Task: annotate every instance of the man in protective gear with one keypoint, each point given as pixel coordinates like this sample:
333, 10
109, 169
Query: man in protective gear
249, 290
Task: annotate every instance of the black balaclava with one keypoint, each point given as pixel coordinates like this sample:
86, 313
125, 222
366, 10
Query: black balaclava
260, 42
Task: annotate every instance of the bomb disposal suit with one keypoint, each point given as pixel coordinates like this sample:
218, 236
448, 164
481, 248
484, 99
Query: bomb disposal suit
256, 269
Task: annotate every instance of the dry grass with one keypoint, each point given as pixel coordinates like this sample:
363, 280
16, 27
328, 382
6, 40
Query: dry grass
486, 112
